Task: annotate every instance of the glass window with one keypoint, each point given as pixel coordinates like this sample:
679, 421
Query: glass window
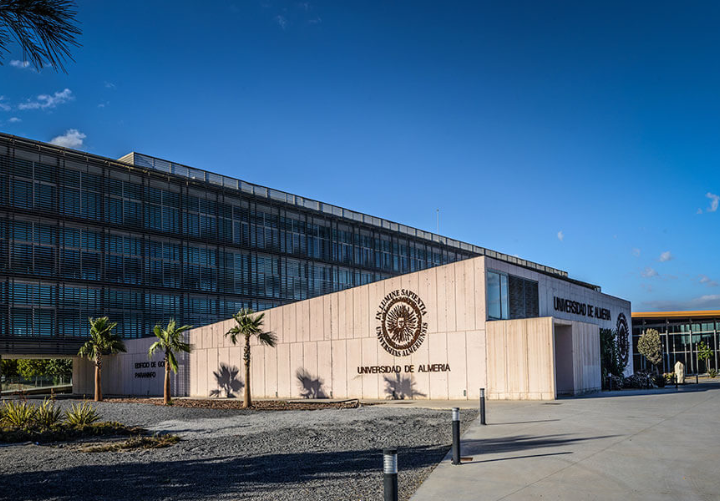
497, 296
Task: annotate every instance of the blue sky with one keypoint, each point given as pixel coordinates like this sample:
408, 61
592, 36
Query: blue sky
581, 135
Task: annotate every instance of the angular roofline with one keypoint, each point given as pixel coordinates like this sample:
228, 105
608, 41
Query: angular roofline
146, 163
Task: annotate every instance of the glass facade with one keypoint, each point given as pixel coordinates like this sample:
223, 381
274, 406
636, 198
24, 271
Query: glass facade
510, 297
82, 236
680, 338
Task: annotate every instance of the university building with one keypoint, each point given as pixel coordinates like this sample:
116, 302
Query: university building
440, 333
363, 307
142, 240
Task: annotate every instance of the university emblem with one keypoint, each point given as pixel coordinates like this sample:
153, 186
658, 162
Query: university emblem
401, 329
623, 342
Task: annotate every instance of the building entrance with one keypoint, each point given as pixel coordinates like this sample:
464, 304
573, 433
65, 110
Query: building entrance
564, 374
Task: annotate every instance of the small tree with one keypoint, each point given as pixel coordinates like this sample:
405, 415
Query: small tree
705, 353
169, 341
249, 325
650, 347
102, 342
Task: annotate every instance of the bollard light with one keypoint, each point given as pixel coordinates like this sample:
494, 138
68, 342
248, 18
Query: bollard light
482, 406
456, 435
390, 474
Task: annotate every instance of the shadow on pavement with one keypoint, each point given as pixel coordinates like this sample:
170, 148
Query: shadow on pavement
213, 478
520, 443
518, 457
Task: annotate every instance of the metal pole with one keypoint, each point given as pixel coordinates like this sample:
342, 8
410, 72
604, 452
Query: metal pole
390, 474
676, 382
482, 406
456, 435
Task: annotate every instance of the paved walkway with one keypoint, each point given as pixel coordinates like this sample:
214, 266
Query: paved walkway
658, 445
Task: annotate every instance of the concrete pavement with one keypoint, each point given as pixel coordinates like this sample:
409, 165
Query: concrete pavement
628, 445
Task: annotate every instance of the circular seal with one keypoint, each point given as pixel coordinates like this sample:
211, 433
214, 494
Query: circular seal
401, 330
623, 343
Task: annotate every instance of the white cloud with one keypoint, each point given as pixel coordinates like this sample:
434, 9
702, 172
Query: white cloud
636, 252
14, 120
714, 202
704, 279
707, 302
649, 273
20, 64
4, 106
44, 101
110, 85
560, 235
282, 21
666, 256
72, 138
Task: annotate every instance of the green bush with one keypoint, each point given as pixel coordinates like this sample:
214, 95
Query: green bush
18, 414
712, 373
47, 415
660, 381
81, 414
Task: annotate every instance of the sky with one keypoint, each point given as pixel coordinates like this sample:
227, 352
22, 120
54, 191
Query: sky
578, 135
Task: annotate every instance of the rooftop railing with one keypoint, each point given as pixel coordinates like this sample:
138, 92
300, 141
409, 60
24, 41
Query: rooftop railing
146, 161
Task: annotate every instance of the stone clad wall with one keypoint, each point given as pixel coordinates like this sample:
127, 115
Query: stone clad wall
329, 346
522, 358
120, 376
324, 341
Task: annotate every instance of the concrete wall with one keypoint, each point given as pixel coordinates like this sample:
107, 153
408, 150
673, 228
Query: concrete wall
120, 376
323, 341
329, 346
520, 361
586, 357
526, 362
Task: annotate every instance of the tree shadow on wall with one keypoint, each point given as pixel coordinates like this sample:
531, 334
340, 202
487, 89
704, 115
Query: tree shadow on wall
400, 388
227, 381
311, 387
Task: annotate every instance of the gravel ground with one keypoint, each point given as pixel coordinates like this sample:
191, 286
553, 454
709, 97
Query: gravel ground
228, 454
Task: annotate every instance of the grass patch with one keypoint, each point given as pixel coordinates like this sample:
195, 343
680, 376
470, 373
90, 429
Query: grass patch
138, 442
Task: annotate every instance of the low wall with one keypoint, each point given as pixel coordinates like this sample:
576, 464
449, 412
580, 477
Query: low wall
131, 373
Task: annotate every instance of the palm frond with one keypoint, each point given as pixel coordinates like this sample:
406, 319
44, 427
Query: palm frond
170, 340
157, 345
268, 338
249, 324
102, 339
44, 29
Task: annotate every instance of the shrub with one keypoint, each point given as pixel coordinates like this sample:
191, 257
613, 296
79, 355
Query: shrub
712, 373
660, 381
640, 380
18, 414
81, 414
47, 415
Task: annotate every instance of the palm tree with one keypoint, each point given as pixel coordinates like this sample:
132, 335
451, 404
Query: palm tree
250, 325
44, 29
170, 341
102, 342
